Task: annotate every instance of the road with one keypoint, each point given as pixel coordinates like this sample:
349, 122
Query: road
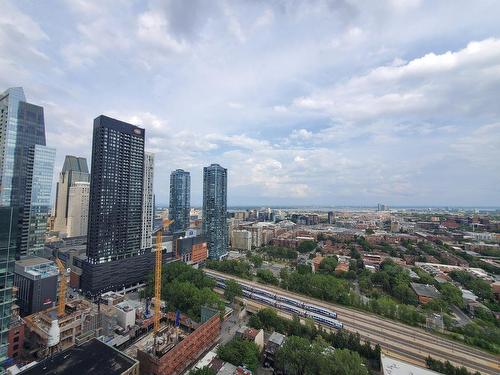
409, 343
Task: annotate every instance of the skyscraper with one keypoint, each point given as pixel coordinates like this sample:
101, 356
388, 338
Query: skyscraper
116, 207
215, 210
78, 209
74, 169
180, 197
147, 201
26, 167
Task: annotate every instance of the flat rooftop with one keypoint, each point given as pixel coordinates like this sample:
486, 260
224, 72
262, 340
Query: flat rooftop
393, 366
93, 357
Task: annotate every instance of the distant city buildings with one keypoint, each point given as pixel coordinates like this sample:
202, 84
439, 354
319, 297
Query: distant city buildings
180, 195
215, 225
147, 201
382, 207
74, 170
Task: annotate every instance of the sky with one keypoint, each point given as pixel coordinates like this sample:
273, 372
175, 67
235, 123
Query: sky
333, 102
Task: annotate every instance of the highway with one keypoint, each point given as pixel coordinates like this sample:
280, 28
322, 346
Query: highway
409, 343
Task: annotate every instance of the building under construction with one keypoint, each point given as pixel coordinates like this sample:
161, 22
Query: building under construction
174, 350
79, 323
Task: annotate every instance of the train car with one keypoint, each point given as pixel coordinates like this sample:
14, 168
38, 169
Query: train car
246, 293
290, 308
290, 301
261, 298
325, 320
221, 285
320, 310
264, 292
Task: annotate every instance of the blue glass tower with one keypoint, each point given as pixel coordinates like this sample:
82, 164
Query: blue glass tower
215, 210
180, 191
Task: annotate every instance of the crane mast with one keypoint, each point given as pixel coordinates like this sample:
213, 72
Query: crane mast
62, 288
158, 265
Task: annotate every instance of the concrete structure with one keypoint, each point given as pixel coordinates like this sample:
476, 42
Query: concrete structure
79, 324
180, 200
78, 209
191, 249
147, 201
215, 210
393, 366
92, 357
36, 279
241, 240
125, 313
74, 170
174, 355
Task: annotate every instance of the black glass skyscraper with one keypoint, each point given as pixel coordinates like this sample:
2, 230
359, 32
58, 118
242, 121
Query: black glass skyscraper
180, 191
215, 210
115, 211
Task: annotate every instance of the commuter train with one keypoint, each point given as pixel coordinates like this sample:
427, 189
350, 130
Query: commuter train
286, 303
295, 310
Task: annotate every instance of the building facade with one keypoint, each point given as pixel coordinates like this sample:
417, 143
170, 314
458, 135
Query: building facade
26, 167
36, 281
8, 236
180, 200
115, 210
147, 201
74, 170
215, 225
241, 240
78, 209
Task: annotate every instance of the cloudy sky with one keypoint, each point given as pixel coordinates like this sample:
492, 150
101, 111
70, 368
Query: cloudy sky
341, 102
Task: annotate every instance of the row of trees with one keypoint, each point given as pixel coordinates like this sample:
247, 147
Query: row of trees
279, 252
186, 289
232, 267
269, 320
447, 368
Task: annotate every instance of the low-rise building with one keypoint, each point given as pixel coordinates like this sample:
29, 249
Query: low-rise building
425, 293
252, 334
276, 341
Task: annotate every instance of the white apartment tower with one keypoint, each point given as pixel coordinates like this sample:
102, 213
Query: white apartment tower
78, 209
147, 201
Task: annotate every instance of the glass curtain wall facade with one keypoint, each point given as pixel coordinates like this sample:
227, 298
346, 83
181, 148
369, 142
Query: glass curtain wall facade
215, 210
180, 200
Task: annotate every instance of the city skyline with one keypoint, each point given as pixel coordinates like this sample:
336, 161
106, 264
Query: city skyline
307, 103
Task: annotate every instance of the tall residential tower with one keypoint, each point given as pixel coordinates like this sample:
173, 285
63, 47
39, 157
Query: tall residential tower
180, 194
215, 210
116, 207
147, 201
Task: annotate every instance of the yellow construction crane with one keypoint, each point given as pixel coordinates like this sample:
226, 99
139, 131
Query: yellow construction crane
158, 264
62, 288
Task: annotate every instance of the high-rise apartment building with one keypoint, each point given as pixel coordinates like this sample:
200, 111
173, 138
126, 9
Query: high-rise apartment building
26, 167
147, 201
180, 200
114, 253
78, 209
74, 169
215, 210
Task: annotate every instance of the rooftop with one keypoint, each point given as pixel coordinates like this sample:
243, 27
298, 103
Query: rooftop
93, 357
425, 290
392, 366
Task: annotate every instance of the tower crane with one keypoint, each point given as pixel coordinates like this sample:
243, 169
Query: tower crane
62, 288
158, 265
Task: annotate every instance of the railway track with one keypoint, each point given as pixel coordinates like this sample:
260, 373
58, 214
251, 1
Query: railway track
412, 343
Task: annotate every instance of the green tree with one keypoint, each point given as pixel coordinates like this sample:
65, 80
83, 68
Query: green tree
327, 265
452, 295
232, 290
256, 260
267, 277
240, 352
202, 371
307, 246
